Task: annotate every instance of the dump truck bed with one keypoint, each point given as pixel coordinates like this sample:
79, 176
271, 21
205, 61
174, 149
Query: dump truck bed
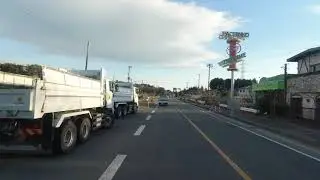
26, 97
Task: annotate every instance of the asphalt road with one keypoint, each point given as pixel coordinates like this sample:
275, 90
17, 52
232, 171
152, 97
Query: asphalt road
178, 141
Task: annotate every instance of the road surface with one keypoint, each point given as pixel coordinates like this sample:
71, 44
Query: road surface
178, 141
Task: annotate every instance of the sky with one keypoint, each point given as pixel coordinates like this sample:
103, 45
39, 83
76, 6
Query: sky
167, 42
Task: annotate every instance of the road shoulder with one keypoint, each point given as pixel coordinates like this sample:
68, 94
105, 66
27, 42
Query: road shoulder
305, 137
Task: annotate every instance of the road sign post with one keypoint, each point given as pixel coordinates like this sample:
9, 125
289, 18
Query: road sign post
233, 39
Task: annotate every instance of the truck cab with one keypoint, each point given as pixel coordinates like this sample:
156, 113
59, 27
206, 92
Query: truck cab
125, 98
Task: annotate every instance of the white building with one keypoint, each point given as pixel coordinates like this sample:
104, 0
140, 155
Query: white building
303, 90
244, 91
245, 96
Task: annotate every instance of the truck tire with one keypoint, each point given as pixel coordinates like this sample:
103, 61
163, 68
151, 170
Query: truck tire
83, 129
134, 109
108, 122
124, 110
118, 112
65, 138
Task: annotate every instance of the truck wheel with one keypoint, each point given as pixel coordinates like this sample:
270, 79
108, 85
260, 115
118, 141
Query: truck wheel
124, 110
83, 129
108, 122
134, 109
65, 138
118, 112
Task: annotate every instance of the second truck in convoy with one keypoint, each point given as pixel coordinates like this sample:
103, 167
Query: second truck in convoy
125, 98
58, 109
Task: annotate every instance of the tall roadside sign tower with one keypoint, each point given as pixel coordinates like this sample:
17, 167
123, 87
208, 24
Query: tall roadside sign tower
233, 40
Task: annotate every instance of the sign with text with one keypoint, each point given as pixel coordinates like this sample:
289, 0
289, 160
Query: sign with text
227, 62
229, 35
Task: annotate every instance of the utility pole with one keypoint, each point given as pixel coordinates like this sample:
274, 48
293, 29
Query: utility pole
285, 82
209, 66
129, 70
198, 81
187, 85
87, 56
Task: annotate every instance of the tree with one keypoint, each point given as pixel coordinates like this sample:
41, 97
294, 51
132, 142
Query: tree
227, 84
239, 83
28, 70
217, 83
149, 89
254, 81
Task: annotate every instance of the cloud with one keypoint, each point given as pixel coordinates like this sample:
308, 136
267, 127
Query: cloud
154, 32
315, 9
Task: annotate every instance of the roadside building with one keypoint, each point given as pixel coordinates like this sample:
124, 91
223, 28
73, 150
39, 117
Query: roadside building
245, 96
270, 96
303, 89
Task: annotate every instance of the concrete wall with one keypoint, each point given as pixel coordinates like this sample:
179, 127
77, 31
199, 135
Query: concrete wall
308, 87
244, 92
308, 83
245, 96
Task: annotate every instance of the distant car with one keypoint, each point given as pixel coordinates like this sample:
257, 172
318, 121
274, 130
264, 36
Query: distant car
163, 100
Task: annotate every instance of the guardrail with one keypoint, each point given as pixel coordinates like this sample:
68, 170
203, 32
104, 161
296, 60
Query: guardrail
218, 108
251, 110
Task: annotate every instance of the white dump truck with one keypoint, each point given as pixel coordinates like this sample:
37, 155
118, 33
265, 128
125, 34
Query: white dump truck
125, 99
56, 110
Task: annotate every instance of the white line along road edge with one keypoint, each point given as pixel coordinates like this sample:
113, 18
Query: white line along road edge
274, 141
148, 117
113, 167
139, 130
262, 136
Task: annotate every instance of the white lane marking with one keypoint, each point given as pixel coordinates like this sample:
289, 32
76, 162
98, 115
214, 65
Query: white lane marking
139, 130
148, 117
153, 111
113, 167
267, 138
274, 141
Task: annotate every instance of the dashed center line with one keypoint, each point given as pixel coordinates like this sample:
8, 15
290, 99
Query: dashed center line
148, 117
113, 167
139, 130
